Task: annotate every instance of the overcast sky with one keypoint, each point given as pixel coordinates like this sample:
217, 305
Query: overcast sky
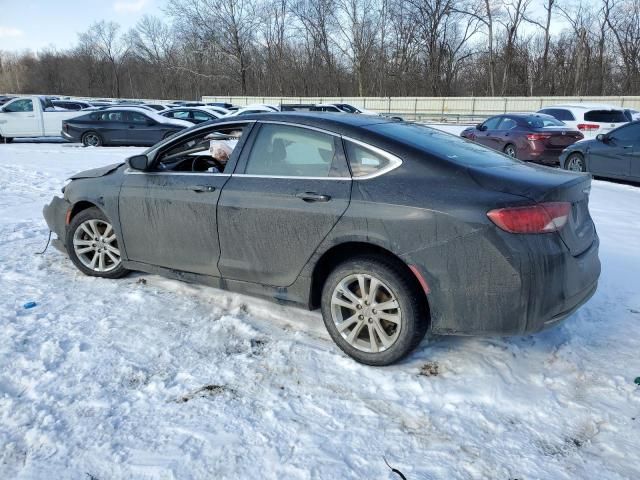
36, 24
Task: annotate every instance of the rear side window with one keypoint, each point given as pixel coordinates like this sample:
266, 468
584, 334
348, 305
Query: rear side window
559, 113
364, 161
444, 145
492, 123
284, 150
508, 124
605, 116
541, 121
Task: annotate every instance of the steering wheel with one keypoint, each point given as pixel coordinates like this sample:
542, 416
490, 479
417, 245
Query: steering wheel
209, 161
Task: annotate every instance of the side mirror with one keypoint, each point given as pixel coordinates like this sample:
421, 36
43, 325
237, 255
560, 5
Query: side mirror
138, 162
481, 127
601, 137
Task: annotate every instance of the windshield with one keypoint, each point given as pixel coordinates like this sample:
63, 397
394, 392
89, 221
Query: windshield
539, 121
441, 144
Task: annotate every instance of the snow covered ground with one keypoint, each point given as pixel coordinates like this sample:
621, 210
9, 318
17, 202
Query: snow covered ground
148, 378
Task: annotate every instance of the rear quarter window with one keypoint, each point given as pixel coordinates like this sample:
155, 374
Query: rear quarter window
605, 116
444, 145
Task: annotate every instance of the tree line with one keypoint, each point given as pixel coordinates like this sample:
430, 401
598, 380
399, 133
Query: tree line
347, 48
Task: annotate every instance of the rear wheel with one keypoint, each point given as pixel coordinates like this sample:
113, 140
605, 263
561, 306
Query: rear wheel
575, 163
373, 311
91, 139
511, 150
93, 246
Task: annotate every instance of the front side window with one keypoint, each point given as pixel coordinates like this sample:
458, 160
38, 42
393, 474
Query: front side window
207, 151
284, 150
24, 105
201, 116
364, 161
629, 135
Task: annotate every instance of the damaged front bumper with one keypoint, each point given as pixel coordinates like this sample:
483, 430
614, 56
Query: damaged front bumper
55, 214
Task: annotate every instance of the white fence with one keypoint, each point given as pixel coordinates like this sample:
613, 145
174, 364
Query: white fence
444, 108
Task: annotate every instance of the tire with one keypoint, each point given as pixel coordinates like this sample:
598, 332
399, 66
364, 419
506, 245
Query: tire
510, 150
92, 139
6, 139
575, 163
87, 241
359, 320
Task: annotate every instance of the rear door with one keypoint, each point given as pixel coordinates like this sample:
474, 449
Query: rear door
289, 190
613, 157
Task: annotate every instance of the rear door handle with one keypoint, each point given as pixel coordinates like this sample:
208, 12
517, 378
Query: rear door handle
313, 197
203, 188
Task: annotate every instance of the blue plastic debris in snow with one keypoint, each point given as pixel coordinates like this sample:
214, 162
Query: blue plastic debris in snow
29, 304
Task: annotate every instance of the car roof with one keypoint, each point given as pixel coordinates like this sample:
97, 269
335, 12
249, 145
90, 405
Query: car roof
332, 121
584, 106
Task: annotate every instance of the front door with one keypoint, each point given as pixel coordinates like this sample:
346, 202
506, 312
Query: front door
168, 215
21, 119
292, 188
613, 157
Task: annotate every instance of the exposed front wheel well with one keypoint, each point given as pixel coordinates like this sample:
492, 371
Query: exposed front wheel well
345, 251
79, 207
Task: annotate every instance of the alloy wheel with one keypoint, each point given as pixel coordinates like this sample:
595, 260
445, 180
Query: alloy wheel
575, 164
366, 313
510, 151
91, 140
96, 246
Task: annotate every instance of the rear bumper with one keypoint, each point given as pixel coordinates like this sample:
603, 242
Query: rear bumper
494, 283
55, 214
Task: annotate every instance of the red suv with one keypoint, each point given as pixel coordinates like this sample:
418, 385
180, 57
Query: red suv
531, 137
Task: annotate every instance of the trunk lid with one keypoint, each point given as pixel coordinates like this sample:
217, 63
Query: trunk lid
560, 137
542, 184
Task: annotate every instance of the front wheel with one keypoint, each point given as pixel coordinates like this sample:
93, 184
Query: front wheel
575, 163
93, 246
373, 310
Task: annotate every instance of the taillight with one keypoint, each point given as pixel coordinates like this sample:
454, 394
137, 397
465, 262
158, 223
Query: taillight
538, 136
540, 218
588, 127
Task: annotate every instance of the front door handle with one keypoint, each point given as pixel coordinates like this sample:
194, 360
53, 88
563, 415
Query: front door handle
313, 197
203, 188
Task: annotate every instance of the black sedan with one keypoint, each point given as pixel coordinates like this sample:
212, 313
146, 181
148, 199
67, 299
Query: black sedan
120, 126
391, 228
192, 114
613, 155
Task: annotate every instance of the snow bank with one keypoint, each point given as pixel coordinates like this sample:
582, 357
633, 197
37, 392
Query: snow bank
151, 378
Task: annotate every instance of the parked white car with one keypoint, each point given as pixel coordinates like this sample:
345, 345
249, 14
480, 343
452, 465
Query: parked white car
258, 108
31, 117
590, 119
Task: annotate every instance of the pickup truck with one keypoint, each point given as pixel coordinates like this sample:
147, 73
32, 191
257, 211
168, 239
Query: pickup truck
31, 116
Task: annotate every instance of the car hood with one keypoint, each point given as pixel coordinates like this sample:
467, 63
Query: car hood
97, 172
